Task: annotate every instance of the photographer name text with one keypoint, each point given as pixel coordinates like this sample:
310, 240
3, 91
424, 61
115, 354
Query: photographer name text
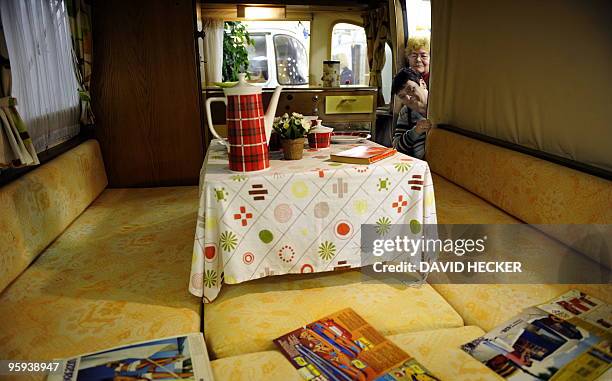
449, 267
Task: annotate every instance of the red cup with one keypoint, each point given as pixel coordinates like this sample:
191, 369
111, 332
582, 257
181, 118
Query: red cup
319, 140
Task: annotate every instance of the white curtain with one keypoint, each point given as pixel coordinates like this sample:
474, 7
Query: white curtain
44, 83
213, 49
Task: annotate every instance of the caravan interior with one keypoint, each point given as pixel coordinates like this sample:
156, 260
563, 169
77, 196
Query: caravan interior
157, 178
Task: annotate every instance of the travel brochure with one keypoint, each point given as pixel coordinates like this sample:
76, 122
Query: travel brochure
344, 347
173, 358
567, 338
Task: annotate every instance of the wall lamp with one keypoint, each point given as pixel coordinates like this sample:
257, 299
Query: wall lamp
261, 12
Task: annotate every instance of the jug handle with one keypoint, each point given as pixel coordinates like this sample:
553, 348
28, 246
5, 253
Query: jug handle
209, 117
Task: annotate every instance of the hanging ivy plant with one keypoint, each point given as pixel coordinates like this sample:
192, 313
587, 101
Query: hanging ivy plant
235, 55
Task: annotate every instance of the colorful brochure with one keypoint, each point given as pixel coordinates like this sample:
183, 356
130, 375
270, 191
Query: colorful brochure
548, 343
581, 309
173, 358
344, 347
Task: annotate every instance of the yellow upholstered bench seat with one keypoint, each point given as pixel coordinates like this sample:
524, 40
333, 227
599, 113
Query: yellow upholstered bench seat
488, 305
246, 317
438, 350
455, 205
115, 276
480, 183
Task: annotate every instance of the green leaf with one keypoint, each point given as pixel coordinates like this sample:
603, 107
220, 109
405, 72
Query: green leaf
235, 55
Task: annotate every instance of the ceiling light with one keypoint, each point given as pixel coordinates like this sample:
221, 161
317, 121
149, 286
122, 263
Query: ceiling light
261, 13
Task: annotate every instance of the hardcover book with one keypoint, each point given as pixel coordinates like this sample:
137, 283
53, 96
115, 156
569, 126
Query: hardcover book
363, 155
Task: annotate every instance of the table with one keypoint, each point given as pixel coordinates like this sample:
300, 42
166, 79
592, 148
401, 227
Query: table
299, 216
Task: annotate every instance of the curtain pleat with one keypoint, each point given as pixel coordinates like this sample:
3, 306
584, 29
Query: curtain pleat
43, 79
79, 15
377, 28
213, 49
16, 148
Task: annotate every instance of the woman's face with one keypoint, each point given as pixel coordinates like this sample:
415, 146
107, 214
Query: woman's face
419, 60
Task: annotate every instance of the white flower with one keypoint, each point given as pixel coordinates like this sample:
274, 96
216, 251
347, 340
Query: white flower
306, 124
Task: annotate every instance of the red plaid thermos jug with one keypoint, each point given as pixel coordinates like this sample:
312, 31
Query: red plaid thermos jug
248, 127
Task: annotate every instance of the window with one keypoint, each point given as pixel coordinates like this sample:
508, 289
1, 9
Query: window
43, 77
349, 46
258, 58
279, 53
291, 60
387, 74
418, 15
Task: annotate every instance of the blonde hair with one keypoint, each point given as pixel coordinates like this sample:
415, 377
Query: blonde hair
416, 43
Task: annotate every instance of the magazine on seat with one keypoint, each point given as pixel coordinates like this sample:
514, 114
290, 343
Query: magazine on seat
173, 358
344, 347
567, 338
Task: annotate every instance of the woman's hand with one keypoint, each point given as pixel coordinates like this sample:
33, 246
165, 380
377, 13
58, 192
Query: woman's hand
423, 126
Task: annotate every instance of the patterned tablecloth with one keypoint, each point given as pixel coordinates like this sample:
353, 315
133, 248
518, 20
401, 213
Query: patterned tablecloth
299, 216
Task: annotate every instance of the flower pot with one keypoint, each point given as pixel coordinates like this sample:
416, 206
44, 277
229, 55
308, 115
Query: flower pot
293, 148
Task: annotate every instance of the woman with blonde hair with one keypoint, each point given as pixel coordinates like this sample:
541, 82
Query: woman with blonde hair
417, 54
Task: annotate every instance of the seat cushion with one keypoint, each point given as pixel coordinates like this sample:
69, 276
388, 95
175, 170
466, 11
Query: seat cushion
247, 317
117, 275
36, 208
265, 365
488, 305
438, 350
455, 205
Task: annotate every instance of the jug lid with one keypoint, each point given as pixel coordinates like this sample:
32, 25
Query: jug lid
242, 87
319, 128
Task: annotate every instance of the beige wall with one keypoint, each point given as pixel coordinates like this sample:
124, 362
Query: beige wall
535, 73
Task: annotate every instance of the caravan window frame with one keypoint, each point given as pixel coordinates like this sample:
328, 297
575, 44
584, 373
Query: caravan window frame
388, 62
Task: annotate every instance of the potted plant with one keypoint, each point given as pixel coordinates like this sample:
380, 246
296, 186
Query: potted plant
292, 130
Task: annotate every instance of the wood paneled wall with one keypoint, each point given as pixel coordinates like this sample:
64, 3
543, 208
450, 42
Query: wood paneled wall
145, 92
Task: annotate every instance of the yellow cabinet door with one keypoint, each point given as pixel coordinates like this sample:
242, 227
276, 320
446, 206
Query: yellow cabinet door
349, 104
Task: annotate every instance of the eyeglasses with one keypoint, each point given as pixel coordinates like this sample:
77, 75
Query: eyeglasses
423, 56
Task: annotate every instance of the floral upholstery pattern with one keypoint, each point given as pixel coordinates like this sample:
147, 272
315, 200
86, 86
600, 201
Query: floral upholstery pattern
36, 208
247, 317
455, 205
488, 305
117, 275
438, 350
268, 365
512, 181
532, 190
